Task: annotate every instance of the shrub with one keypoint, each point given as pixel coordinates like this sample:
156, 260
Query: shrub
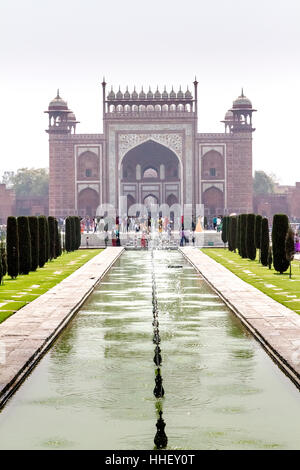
243, 223
225, 229
250, 232
12, 247
42, 240
264, 242
24, 245
34, 236
279, 231
52, 236
258, 220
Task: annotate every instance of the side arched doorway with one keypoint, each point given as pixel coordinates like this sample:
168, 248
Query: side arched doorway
88, 202
213, 200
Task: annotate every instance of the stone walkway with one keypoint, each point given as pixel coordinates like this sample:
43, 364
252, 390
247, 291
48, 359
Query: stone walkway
26, 335
273, 324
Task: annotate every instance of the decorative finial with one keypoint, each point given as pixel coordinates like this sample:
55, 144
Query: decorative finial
242, 95
57, 93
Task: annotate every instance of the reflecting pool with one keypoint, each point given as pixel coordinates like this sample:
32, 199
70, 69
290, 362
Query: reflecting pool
94, 388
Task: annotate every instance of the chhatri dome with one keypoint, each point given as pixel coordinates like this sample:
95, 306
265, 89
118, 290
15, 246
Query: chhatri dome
242, 102
228, 116
58, 104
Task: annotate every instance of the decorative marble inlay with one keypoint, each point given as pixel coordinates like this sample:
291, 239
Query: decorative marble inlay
129, 141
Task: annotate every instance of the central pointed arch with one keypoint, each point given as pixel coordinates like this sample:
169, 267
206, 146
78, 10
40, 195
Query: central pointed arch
151, 167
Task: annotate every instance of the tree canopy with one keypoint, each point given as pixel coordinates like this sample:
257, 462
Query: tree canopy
263, 183
28, 181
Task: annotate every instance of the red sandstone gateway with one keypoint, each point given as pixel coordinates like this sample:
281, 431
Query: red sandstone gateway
150, 148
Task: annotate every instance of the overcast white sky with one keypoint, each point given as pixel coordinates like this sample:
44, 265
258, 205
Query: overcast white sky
227, 44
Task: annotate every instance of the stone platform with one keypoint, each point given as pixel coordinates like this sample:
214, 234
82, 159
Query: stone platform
26, 335
207, 238
275, 326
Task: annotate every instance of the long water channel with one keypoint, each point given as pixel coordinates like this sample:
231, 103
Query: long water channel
94, 388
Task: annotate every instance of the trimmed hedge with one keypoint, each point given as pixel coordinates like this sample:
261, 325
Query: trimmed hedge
12, 247
279, 232
264, 242
24, 245
34, 236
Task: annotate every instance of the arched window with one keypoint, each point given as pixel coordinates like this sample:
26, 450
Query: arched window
150, 173
88, 166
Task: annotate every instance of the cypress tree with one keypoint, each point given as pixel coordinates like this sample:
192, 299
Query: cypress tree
57, 240
258, 220
42, 241
78, 233
1, 271
243, 223
229, 232
74, 237
264, 242
233, 232
270, 258
238, 234
279, 232
52, 236
68, 235
34, 236
224, 229
250, 242
12, 247
24, 245
3, 260
47, 239
290, 247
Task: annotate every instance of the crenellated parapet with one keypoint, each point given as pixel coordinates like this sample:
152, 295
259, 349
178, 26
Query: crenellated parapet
148, 103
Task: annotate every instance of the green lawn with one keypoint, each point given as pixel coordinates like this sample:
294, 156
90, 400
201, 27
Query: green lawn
15, 293
278, 286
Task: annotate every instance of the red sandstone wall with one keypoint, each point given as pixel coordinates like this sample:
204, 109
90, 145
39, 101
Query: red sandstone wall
239, 174
62, 175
